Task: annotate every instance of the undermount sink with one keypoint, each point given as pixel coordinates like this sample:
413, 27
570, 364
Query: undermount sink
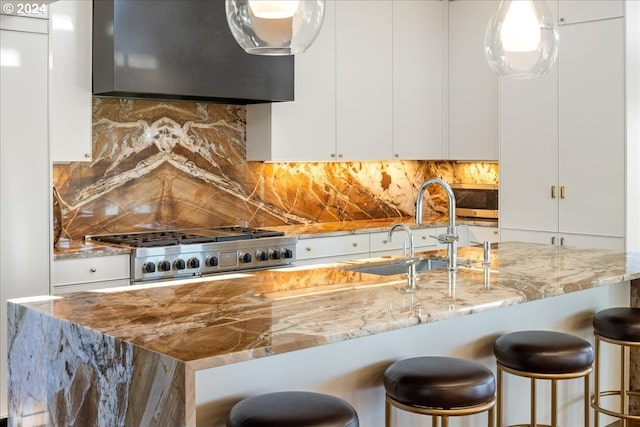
400, 267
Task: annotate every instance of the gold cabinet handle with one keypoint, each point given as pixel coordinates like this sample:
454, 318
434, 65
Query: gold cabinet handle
340, 155
553, 240
424, 237
553, 191
93, 269
333, 155
562, 241
308, 248
355, 244
562, 191
385, 241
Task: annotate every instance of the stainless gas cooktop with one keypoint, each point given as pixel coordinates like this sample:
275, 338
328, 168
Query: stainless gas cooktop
162, 255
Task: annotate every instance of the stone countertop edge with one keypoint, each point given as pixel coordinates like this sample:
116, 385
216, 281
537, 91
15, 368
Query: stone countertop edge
70, 249
234, 319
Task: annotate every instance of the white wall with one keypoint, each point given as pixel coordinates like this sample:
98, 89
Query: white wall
353, 369
632, 13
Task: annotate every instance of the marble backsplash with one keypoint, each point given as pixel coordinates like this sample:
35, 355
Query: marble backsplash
160, 165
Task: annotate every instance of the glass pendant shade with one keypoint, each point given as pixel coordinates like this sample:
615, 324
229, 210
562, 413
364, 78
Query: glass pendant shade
280, 27
521, 40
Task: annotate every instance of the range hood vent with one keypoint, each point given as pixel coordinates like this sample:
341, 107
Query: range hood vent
180, 49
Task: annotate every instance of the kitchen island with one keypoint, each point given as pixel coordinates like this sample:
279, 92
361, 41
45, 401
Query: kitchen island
183, 354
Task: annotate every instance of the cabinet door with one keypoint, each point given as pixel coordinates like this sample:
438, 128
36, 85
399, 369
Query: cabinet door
363, 79
529, 153
592, 120
303, 129
473, 86
417, 79
25, 181
70, 80
519, 235
352, 246
573, 11
480, 234
93, 269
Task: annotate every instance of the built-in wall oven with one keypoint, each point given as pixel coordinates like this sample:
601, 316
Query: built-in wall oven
476, 200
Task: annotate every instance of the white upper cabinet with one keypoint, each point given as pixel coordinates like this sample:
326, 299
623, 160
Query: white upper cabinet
70, 80
305, 129
574, 11
369, 88
363, 79
418, 83
473, 86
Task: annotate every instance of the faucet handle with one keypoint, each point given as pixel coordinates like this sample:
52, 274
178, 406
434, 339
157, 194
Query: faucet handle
487, 253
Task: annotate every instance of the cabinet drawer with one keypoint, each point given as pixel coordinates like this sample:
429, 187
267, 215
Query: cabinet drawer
332, 246
82, 287
94, 269
421, 239
479, 234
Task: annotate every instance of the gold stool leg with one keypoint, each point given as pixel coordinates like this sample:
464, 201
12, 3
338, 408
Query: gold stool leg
387, 413
586, 400
491, 415
554, 403
596, 382
499, 396
445, 421
623, 388
534, 407
434, 421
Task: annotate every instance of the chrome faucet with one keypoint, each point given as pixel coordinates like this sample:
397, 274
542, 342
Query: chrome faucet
451, 237
411, 261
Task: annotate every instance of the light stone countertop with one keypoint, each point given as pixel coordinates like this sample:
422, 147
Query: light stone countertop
119, 355
263, 313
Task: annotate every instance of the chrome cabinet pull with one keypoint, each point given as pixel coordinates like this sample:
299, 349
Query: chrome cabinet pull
93, 269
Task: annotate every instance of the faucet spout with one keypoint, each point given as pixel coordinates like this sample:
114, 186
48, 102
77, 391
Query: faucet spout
411, 274
451, 237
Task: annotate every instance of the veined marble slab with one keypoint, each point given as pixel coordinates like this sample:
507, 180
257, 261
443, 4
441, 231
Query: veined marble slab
143, 344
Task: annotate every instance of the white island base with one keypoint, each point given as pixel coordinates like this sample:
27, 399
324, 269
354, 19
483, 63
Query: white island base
353, 369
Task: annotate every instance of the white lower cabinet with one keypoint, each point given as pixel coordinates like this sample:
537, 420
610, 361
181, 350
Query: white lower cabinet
328, 249
84, 274
563, 239
422, 241
319, 250
479, 234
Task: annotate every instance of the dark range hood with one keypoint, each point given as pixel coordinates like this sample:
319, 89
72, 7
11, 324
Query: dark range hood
180, 49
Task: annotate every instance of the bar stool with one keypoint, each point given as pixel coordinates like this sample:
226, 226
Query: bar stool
544, 355
292, 409
619, 326
441, 387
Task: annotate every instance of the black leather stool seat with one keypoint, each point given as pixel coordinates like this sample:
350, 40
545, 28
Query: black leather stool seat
619, 323
543, 352
439, 382
292, 409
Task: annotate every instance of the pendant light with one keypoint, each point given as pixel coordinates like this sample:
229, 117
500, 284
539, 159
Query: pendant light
521, 40
280, 27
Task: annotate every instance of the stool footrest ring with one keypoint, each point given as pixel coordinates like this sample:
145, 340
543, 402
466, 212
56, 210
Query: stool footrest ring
609, 393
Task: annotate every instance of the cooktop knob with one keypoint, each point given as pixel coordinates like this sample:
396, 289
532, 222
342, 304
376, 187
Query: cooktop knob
261, 256
179, 264
164, 266
212, 261
245, 258
193, 263
288, 253
149, 267
275, 254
